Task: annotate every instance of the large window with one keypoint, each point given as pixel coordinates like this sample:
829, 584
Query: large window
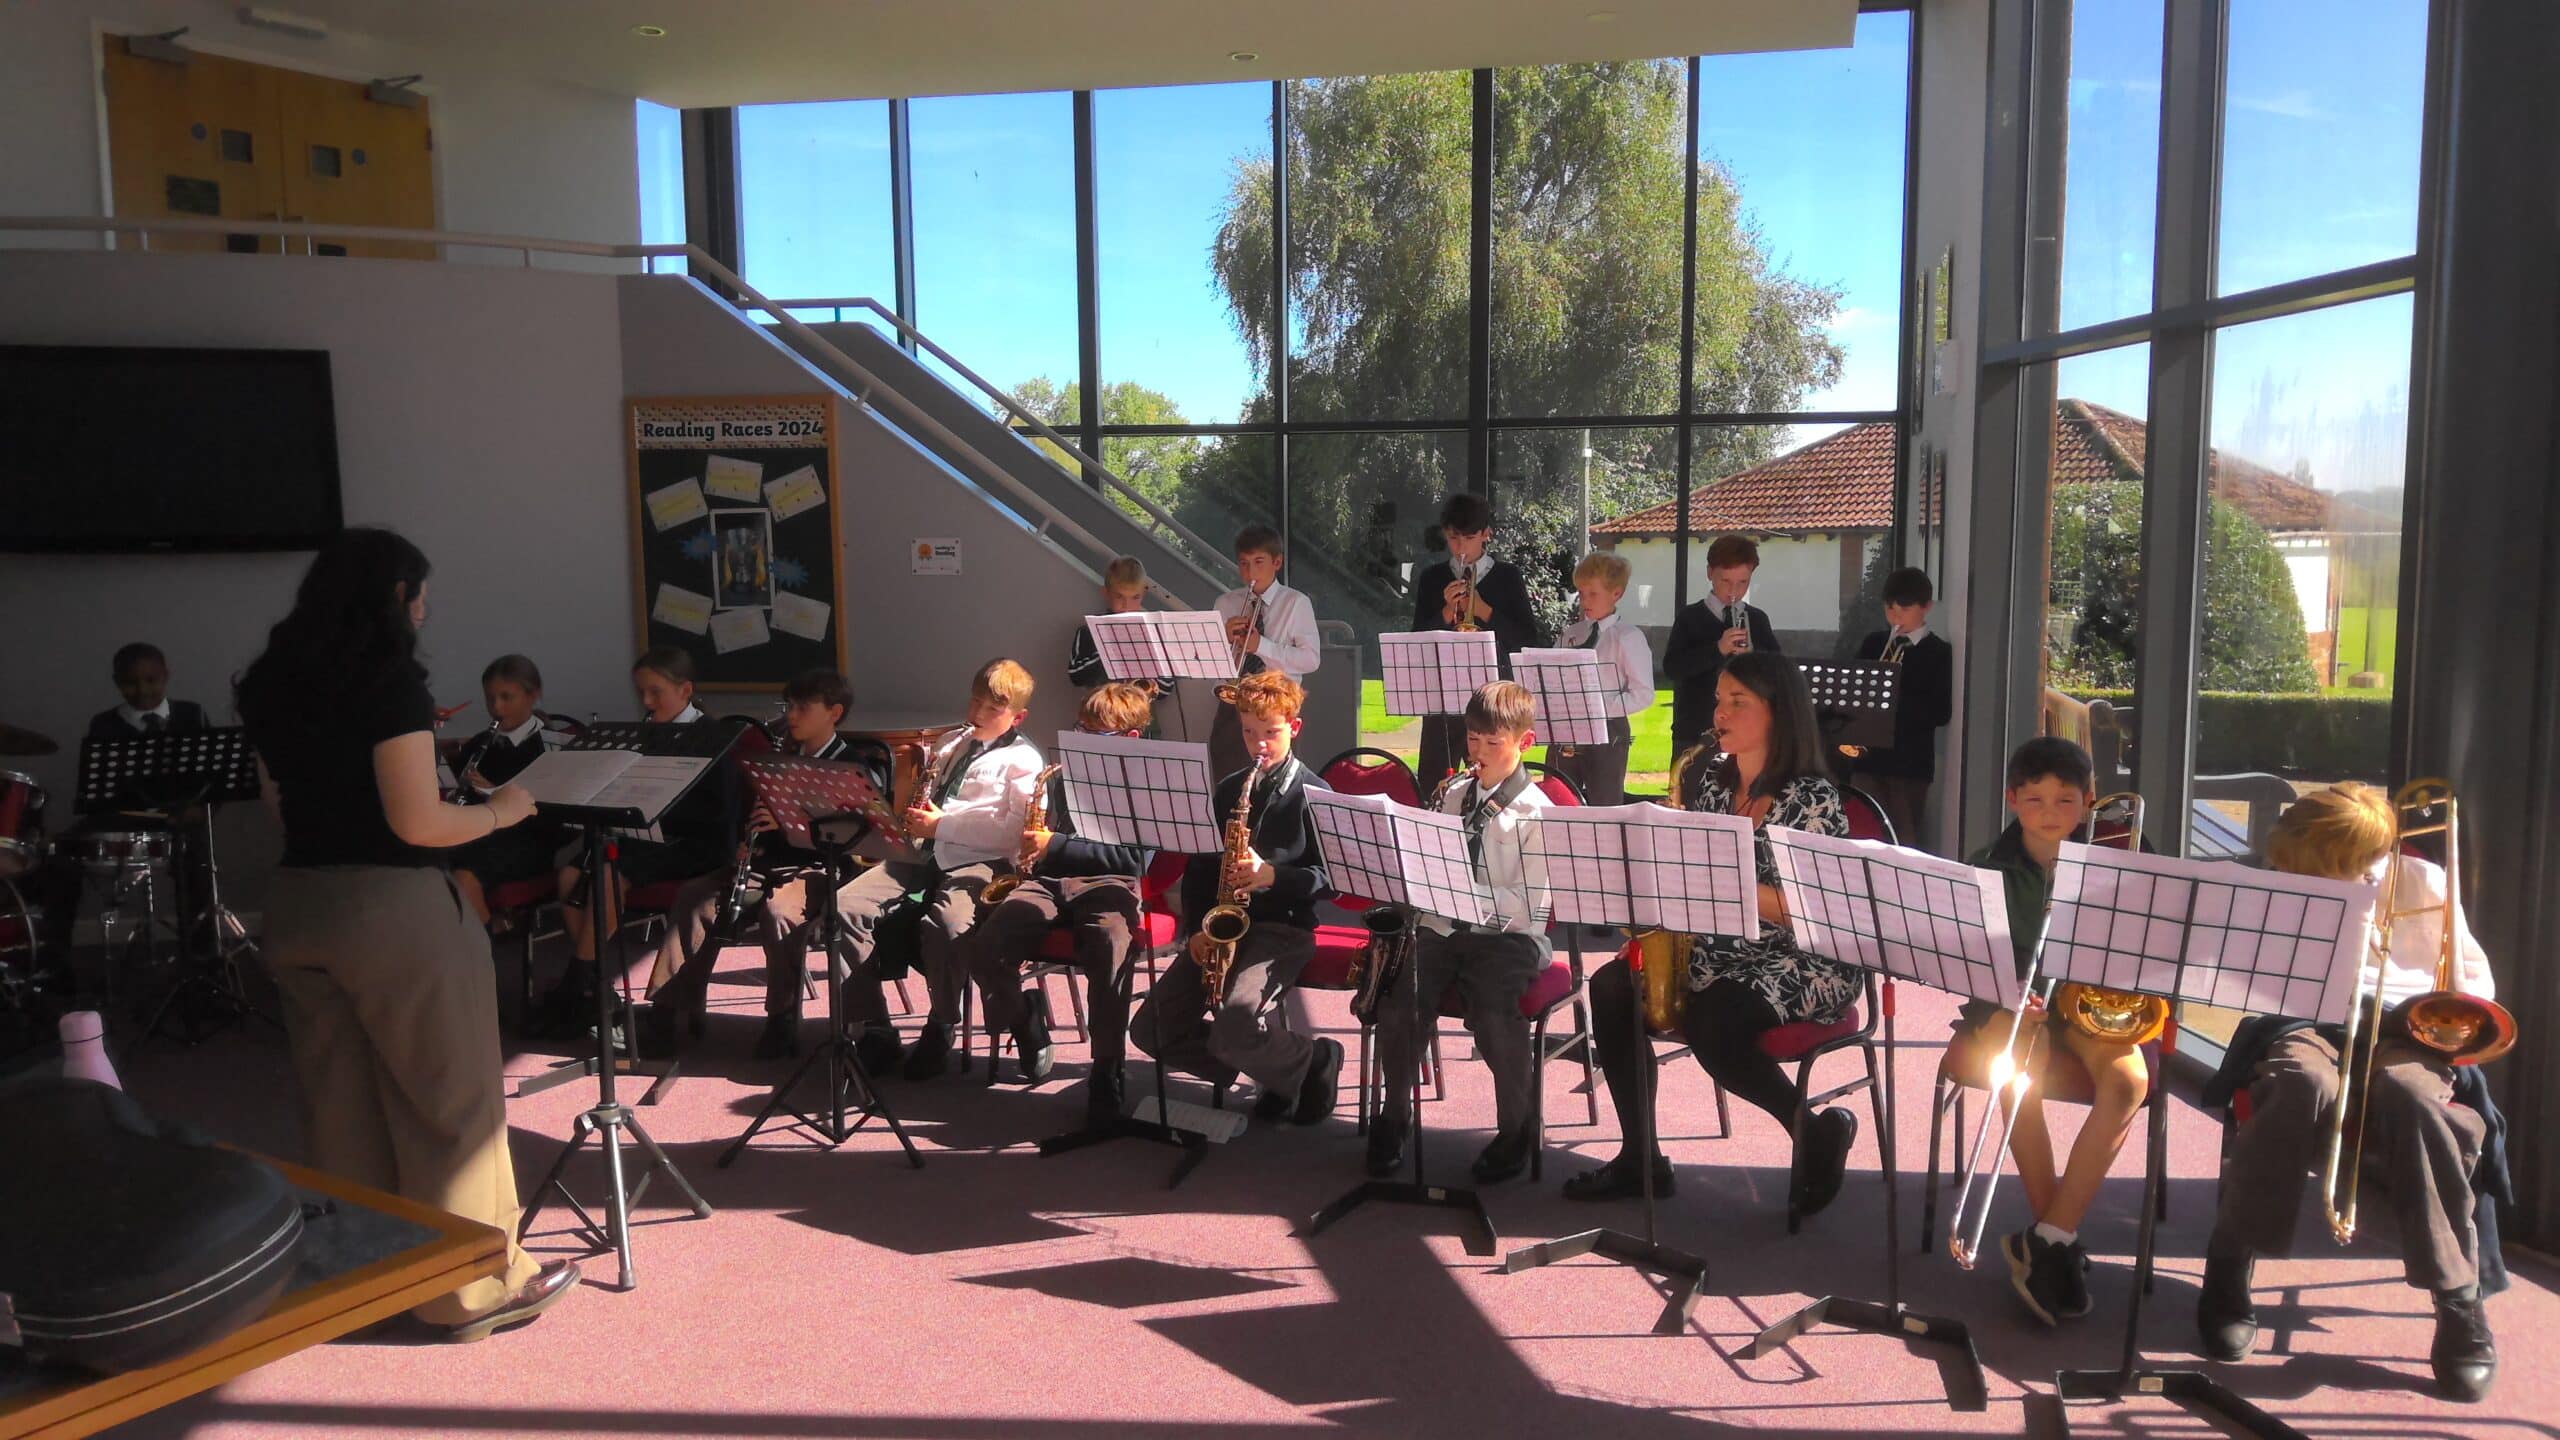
2205, 161
1182, 180
819, 227
660, 132
1325, 373
995, 224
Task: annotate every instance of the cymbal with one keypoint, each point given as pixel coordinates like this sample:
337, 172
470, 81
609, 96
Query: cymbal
14, 741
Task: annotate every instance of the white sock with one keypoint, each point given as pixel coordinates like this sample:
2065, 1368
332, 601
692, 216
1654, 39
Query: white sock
2054, 1235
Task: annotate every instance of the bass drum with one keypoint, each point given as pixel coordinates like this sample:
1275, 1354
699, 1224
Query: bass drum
22, 845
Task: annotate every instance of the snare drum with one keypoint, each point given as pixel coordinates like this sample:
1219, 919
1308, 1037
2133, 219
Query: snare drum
21, 824
121, 849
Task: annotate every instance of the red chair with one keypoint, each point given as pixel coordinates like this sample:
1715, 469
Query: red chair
1156, 889
521, 904
1362, 771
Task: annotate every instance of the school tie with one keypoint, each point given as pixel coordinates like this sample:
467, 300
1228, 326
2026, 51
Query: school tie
152, 724
1590, 636
957, 772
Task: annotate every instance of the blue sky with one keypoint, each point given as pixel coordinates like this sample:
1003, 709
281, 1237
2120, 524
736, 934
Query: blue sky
2320, 172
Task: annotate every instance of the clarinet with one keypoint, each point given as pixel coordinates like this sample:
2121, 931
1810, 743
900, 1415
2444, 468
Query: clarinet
733, 905
468, 754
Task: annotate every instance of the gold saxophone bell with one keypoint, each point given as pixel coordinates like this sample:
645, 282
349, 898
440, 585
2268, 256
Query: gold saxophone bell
1227, 921
1662, 962
1035, 819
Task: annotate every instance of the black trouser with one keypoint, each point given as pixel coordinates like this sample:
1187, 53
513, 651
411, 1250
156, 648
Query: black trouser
1443, 749
1723, 1025
1105, 916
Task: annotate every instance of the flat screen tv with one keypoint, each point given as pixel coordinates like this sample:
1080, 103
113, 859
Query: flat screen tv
113, 448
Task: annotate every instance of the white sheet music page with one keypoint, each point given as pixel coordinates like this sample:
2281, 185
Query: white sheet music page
572, 777
651, 783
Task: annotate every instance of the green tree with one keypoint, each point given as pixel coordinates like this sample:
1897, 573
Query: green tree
1590, 174
1154, 465
2253, 635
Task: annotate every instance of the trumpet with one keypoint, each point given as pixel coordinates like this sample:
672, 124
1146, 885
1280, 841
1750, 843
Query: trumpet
1467, 598
2008, 1076
1034, 820
1242, 632
2462, 1029
1227, 921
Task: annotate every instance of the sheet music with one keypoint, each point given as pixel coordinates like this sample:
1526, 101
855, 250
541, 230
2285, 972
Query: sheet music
652, 782
1144, 645
1399, 855
1650, 866
2213, 931
611, 778
1913, 916
1128, 791
1578, 693
1435, 672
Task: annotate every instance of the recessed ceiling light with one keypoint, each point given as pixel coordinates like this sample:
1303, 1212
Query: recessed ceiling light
1243, 57
1601, 17
650, 32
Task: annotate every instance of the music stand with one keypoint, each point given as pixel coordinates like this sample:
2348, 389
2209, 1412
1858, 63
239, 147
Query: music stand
2217, 933
1149, 644
668, 760
1853, 700
1435, 672
1578, 694
162, 777
1155, 793
1396, 854
819, 805
1647, 867
1899, 915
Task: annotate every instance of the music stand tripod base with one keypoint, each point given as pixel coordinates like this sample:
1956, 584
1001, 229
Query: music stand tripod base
1481, 1238
1686, 1273
2194, 1388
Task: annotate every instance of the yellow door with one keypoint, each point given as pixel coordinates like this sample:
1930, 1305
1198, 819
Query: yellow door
217, 137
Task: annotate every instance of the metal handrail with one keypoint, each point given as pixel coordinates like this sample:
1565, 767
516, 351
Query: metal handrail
867, 388
1012, 406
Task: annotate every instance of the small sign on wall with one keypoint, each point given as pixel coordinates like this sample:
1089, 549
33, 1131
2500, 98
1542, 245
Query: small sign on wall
936, 557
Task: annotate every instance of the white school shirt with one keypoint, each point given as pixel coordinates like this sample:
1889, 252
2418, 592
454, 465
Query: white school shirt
1624, 646
984, 819
1517, 879
1289, 643
133, 717
2418, 938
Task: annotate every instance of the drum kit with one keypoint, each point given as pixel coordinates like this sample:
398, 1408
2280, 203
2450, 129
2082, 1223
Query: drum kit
125, 865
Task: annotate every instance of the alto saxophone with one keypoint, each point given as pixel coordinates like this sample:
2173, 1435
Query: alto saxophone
1227, 922
1034, 820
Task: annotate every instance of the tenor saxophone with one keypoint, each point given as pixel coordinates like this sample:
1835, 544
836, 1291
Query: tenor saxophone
1227, 922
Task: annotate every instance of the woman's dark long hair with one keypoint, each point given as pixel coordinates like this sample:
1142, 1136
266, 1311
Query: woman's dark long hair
348, 634
1795, 741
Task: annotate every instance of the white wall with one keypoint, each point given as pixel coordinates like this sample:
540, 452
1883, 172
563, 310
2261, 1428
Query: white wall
513, 156
479, 412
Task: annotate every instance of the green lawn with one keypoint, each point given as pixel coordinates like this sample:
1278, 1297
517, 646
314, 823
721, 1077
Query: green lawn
1648, 758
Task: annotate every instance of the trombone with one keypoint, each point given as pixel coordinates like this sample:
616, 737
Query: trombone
2460, 1029
2006, 1076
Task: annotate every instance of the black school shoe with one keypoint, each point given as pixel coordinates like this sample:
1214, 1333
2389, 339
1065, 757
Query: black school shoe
1322, 1087
2051, 1279
2226, 1320
1507, 1158
2465, 1354
1619, 1180
1826, 1158
1387, 1139
1033, 1055
930, 1056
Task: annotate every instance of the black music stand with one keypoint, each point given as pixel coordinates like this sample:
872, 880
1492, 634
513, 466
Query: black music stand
1896, 914
1853, 700
1125, 791
697, 748
1652, 867
2210, 903
819, 804
1396, 854
165, 778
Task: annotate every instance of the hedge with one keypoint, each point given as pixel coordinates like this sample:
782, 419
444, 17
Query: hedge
2324, 735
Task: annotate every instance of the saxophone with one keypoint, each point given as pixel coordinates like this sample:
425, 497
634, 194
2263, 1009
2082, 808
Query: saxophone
1378, 964
1227, 922
1661, 956
1034, 820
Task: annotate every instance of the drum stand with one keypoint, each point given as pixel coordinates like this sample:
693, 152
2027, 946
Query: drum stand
210, 947
608, 1118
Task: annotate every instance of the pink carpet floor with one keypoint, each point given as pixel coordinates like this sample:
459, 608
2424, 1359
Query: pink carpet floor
997, 1293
